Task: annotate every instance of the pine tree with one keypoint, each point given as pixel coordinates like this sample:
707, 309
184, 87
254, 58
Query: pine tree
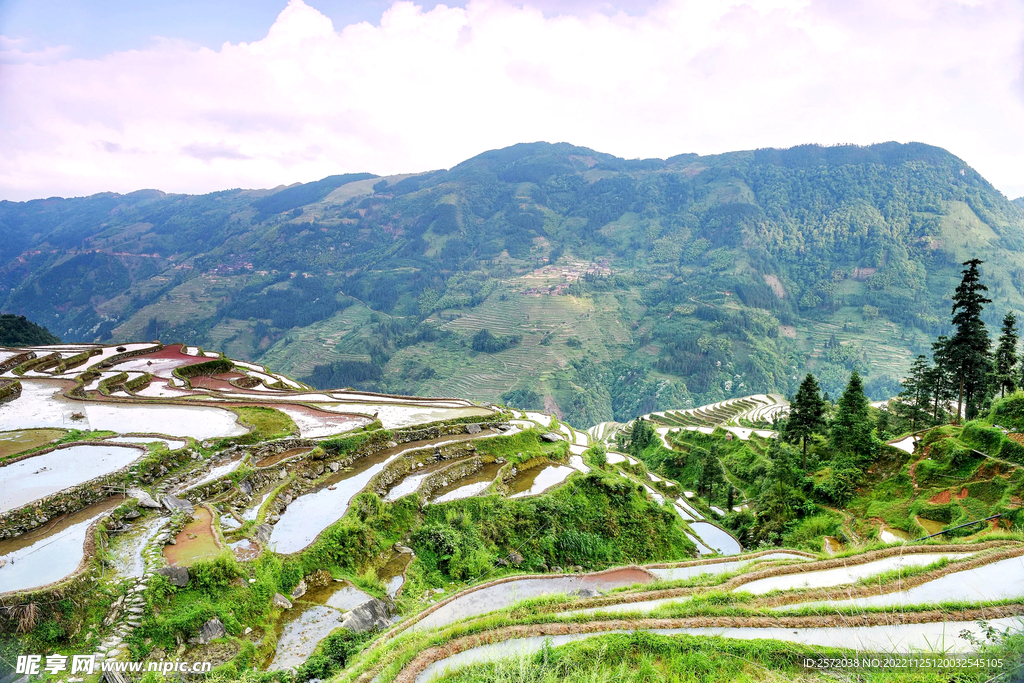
851, 427
913, 401
969, 346
806, 413
939, 380
1006, 356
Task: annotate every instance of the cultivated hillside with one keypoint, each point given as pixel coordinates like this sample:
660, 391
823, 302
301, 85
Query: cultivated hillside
595, 287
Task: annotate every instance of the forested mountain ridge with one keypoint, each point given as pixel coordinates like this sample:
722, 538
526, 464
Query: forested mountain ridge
685, 279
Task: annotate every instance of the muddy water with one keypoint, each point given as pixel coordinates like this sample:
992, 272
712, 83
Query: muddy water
312, 619
539, 479
19, 441
825, 578
392, 574
197, 541
716, 539
274, 459
311, 513
467, 487
692, 571
39, 476
505, 594
51, 553
936, 637
831, 545
997, 581
889, 534
930, 526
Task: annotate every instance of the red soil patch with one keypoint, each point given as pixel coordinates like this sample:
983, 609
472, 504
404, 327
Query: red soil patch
173, 352
941, 498
962, 494
1016, 436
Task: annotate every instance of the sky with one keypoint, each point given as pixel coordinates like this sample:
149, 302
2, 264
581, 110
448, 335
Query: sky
190, 96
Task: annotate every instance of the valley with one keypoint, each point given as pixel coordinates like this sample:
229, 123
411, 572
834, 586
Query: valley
212, 510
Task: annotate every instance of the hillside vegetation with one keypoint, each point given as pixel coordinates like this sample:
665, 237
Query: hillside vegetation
555, 276
16, 330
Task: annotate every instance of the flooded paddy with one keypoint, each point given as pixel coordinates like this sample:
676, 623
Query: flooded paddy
936, 637
280, 457
41, 475
317, 424
538, 479
888, 534
701, 548
715, 568
717, 539
312, 619
392, 574
502, 595
394, 415
42, 406
826, 578
996, 581
12, 443
51, 553
196, 541
470, 486
412, 481
311, 513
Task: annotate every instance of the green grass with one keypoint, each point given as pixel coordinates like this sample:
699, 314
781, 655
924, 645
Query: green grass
266, 423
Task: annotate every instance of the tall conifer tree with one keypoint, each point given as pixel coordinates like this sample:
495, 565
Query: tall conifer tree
968, 348
851, 427
806, 412
1006, 356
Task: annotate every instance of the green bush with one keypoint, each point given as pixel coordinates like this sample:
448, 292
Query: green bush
214, 575
982, 437
1009, 411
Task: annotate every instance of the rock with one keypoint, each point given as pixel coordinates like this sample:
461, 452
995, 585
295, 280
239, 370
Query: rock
133, 514
262, 533
392, 444
281, 601
145, 500
585, 593
374, 614
176, 576
577, 568
556, 570
245, 487
515, 558
335, 466
473, 428
174, 504
299, 590
238, 582
502, 562
550, 437
283, 474
274, 518
248, 630
405, 550
211, 630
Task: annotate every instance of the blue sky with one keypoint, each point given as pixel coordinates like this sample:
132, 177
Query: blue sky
189, 96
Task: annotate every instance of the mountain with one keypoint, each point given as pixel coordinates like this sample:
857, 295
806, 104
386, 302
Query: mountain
551, 275
16, 330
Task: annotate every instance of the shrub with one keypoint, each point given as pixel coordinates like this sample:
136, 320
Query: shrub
1009, 411
984, 438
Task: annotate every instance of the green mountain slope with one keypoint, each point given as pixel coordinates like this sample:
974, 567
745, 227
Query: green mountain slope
16, 330
607, 287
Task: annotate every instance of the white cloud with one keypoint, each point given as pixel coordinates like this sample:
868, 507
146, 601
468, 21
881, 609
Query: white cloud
428, 89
